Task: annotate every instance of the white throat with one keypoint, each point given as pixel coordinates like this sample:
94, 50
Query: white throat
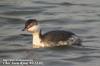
36, 39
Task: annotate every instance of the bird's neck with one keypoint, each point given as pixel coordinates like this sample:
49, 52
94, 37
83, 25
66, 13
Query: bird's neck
37, 38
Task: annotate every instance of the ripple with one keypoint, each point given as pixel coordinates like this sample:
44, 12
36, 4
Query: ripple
5, 5
10, 20
14, 50
66, 4
91, 20
16, 45
57, 63
92, 37
4, 56
80, 59
16, 38
23, 12
44, 2
83, 59
78, 4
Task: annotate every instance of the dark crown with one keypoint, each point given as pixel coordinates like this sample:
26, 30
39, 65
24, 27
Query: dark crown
33, 21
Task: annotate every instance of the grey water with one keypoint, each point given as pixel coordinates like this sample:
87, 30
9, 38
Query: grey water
79, 16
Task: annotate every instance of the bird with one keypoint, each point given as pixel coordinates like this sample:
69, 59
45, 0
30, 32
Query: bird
52, 38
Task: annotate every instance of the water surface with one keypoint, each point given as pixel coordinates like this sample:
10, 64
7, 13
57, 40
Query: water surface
79, 16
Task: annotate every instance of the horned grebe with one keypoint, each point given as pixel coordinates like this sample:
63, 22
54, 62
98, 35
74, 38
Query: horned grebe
51, 38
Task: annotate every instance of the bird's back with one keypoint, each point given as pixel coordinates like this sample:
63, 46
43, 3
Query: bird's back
57, 35
60, 37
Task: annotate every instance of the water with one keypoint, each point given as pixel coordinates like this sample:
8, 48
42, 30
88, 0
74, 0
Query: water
79, 16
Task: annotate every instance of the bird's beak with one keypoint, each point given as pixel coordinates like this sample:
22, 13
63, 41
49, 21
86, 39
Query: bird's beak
24, 29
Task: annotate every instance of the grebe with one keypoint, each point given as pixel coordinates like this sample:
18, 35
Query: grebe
51, 38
